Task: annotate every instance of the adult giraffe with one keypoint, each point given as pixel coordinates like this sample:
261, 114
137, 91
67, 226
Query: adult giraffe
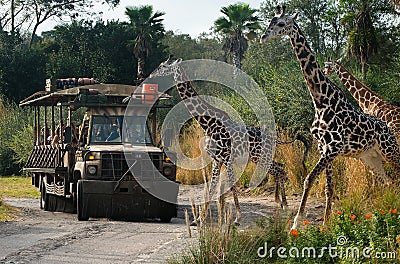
227, 140
338, 127
370, 102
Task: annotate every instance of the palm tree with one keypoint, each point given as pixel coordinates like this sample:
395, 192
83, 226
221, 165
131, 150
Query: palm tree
148, 30
363, 40
238, 25
366, 24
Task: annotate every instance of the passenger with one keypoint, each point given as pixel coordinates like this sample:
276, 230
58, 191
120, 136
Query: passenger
70, 135
114, 133
99, 134
67, 134
56, 137
44, 134
135, 136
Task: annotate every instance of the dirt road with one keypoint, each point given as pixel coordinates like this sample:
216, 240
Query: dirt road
47, 237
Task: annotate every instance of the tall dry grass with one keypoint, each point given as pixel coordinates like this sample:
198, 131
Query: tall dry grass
190, 145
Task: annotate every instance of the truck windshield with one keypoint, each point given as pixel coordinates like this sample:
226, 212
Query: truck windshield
108, 129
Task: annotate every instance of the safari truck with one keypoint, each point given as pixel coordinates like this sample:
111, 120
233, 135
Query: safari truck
107, 165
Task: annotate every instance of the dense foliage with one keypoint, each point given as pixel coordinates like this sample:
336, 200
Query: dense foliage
108, 51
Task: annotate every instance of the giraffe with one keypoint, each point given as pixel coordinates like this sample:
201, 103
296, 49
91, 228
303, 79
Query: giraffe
338, 127
227, 140
369, 101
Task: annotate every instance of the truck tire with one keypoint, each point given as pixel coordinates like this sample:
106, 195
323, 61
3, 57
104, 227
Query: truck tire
44, 197
165, 219
80, 208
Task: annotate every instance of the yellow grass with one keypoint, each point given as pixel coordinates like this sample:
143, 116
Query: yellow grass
18, 187
7, 212
189, 142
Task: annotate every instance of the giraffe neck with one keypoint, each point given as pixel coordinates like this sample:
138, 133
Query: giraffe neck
319, 86
206, 115
368, 100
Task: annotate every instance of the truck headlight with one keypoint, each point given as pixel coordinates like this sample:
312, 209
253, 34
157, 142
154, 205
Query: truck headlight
167, 171
92, 169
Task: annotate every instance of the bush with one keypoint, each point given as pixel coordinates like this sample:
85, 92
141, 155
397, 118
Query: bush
16, 137
350, 237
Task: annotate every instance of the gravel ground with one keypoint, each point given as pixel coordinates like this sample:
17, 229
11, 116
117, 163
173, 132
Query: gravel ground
51, 237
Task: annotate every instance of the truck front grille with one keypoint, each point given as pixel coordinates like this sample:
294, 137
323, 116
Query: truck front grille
115, 165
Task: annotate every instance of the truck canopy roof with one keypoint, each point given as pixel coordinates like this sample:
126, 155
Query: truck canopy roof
47, 98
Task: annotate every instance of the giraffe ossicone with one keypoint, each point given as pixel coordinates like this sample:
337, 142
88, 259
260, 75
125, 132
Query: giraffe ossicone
338, 127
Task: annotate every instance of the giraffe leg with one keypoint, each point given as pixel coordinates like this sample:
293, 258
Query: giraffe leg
279, 174
216, 169
308, 182
282, 179
232, 182
390, 152
373, 160
328, 193
277, 190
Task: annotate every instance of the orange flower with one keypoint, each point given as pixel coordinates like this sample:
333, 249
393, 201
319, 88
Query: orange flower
306, 222
288, 223
393, 211
321, 229
398, 239
294, 232
352, 217
368, 216
339, 212
382, 212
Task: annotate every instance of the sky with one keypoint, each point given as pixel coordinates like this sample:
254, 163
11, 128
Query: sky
182, 16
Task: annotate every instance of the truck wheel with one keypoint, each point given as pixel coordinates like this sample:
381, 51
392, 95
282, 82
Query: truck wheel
44, 198
165, 219
79, 203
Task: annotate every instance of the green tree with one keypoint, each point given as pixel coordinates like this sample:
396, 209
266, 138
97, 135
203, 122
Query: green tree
238, 25
22, 68
148, 31
86, 49
366, 23
185, 47
25, 16
16, 136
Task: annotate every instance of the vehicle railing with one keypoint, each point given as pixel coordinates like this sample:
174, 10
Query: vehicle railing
46, 156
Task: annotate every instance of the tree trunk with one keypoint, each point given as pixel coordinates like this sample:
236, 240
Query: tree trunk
35, 27
12, 17
140, 69
364, 68
236, 59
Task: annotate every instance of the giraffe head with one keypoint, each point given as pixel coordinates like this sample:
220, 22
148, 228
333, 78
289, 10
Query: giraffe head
329, 66
167, 68
281, 24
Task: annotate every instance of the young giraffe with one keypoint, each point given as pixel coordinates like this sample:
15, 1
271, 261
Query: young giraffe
227, 140
370, 102
338, 127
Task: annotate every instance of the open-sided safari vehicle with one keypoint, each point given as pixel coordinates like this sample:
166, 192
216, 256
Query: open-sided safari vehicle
107, 165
